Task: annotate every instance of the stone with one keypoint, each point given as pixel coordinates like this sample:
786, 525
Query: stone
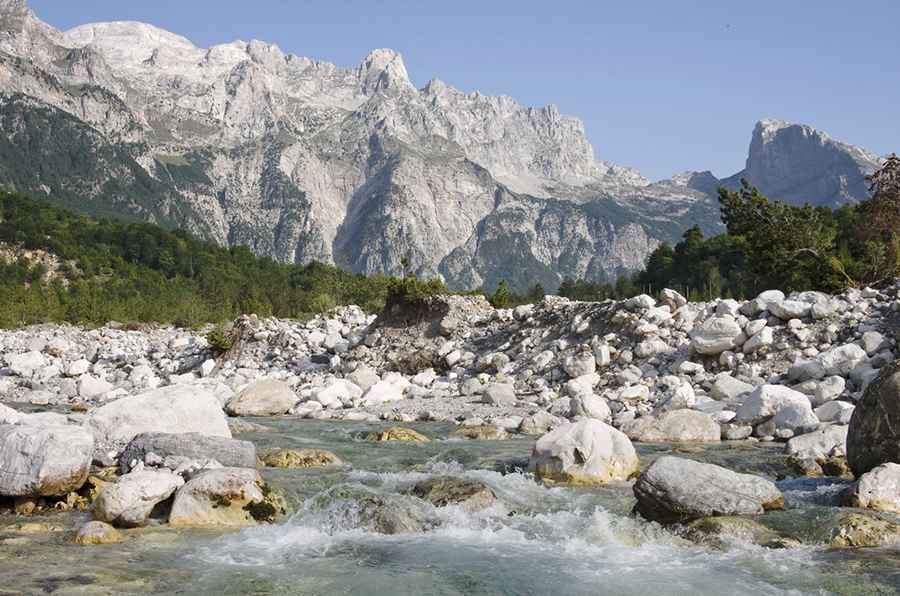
90, 387
480, 432
765, 337
590, 405
500, 394
362, 508
588, 452
442, 491
727, 388
539, 423
383, 392
97, 532
267, 397
43, 460
298, 458
768, 401
672, 298
674, 426
856, 530
873, 437
132, 498
174, 409
873, 342
581, 363
819, 444
835, 411
677, 490
228, 452
364, 377
878, 489
224, 497
842, 360
24, 365
338, 394
723, 532
397, 433
716, 335
789, 309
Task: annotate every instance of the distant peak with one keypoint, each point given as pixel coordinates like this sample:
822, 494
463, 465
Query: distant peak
128, 34
383, 69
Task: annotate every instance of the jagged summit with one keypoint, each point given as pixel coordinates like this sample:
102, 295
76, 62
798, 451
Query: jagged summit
383, 69
125, 35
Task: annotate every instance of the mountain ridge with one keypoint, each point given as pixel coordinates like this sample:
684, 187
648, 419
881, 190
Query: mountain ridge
303, 160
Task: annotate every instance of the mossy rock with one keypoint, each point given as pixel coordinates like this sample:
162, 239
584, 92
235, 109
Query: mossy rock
481, 433
397, 433
298, 458
720, 532
96, 532
856, 530
442, 491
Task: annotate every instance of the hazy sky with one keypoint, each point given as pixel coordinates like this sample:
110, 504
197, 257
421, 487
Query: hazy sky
665, 86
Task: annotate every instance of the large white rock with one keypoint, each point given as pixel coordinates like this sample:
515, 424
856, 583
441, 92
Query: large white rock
581, 363
132, 498
24, 365
716, 335
822, 443
222, 497
383, 392
842, 359
835, 411
268, 397
90, 387
878, 489
590, 405
768, 401
43, 460
676, 426
765, 337
790, 309
339, 394
173, 409
727, 388
586, 452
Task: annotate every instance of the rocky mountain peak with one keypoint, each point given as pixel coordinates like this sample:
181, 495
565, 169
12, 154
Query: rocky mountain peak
382, 70
798, 163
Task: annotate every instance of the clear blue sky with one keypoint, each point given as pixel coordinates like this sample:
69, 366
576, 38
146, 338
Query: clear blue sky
662, 86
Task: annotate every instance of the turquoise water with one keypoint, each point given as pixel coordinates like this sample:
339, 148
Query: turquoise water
535, 540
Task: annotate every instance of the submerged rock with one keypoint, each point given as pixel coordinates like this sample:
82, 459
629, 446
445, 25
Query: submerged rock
441, 491
225, 497
267, 397
130, 501
397, 433
854, 530
298, 458
873, 437
480, 433
96, 532
676, 426
43, 460
586, 452
674, 490
353, 506
723, 532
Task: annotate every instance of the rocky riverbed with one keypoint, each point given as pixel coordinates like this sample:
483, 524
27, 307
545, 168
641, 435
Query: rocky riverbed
692, 445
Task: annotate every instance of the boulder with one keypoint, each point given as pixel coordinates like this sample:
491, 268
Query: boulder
397, 433
674, 426
500, 394
130, 501
43, 460
835, 411
878, 489
224, 497
581, 363
590, 405
91, 387
338, 394
873, 437
24, 365
226, 451
172, 409
727, 388
786, 407
442, 491
819, 444
96, 532
790, 309
354, 506
539, 423
480, 432
586, 452
856, 530
383, 392
723, 532
841, 360
267, 397
298, 458
716, 335
765, 337
676, 490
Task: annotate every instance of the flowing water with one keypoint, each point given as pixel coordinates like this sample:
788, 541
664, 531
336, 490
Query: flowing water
536, 540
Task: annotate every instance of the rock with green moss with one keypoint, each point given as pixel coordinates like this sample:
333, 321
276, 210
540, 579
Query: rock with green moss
298, 458
353, 506
397, 433
225, 497
481, 433
442, 491
96, 532
855, 530
722, 532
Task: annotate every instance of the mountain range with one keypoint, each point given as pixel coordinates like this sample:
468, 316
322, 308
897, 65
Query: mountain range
303, 160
